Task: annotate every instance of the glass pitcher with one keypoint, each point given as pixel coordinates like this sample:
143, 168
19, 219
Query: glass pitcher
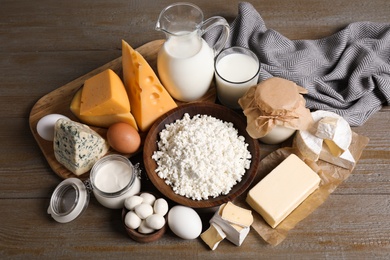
185, 62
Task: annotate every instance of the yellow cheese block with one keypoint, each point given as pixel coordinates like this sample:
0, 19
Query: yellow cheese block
283, 189
101, 121
104, 94
148, 97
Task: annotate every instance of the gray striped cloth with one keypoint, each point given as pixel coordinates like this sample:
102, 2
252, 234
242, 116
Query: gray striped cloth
347, 73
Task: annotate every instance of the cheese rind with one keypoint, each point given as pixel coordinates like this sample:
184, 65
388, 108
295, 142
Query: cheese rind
148, 97
308, 144
326, 128
342, 136
213, 236
234, 233
104, 121
283, 189
76, 146
338, 139
104, 94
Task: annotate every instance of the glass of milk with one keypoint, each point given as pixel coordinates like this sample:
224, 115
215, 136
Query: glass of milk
236, 70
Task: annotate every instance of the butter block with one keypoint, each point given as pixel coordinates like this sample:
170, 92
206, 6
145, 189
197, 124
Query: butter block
283, 189
213, 236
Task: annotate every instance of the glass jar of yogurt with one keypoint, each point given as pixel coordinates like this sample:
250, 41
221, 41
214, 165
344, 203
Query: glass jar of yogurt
112, 179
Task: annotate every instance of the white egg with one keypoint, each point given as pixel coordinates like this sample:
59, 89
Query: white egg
155, 221
45, 126
160, 206
132, 220
143, 210
148, 198
184, 222
144, 229
133, 201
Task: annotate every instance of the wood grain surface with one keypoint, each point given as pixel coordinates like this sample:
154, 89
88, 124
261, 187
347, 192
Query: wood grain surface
58, 102
47, 44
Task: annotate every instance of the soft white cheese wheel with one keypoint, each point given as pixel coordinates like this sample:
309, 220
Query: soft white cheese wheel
310, 142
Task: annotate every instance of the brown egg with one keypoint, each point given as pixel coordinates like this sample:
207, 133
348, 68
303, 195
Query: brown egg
123, 138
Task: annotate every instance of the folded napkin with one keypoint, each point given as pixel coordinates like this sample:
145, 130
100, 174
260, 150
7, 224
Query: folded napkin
347, 73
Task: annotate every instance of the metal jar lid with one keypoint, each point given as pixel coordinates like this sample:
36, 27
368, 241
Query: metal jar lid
69, 200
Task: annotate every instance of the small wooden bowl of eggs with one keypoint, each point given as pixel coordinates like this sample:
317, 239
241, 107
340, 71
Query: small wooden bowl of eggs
144, 217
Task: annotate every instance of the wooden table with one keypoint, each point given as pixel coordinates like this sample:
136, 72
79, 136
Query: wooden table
46, 44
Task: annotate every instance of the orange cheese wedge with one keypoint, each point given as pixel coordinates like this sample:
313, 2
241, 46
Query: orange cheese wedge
101, 121
104, 94
148, 97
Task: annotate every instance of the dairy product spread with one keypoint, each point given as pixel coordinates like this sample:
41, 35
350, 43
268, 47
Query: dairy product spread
282, 190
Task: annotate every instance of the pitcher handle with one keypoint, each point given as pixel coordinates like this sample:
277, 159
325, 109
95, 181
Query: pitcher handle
223, 38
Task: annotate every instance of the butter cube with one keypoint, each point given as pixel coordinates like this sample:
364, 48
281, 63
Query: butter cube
283, 189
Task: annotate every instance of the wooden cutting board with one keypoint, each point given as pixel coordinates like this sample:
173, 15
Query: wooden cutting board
58, 102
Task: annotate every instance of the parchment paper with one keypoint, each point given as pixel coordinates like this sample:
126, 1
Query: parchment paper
331, 177
275, 102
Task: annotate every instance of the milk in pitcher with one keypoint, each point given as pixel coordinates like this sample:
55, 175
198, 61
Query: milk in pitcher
185, 62
190, 66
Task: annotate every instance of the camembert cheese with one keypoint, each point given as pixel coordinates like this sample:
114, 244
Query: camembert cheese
237, 215
213, 236
330, 130
148, 97
235, 224
104, 94
283, 189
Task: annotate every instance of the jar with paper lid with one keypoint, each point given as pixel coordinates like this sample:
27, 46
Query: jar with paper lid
275, 109
112, 179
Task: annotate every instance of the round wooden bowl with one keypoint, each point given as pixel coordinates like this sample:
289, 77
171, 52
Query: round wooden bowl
217, 111
143, 238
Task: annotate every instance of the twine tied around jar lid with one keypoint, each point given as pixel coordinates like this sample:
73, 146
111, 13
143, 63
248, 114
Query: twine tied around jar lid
273, 102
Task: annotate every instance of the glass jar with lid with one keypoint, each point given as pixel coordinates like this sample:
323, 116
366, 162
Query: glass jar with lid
112, 179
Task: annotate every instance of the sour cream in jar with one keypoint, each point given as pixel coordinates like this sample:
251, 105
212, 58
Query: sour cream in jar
113, 179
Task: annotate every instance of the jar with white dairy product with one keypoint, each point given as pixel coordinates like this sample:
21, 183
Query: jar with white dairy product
112, 179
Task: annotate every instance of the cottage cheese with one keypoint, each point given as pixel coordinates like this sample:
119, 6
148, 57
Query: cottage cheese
201, 157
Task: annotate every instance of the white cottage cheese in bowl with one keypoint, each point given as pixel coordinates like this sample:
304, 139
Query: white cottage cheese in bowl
201, 157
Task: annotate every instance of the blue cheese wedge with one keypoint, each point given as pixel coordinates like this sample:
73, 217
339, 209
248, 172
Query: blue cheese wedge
76, 146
